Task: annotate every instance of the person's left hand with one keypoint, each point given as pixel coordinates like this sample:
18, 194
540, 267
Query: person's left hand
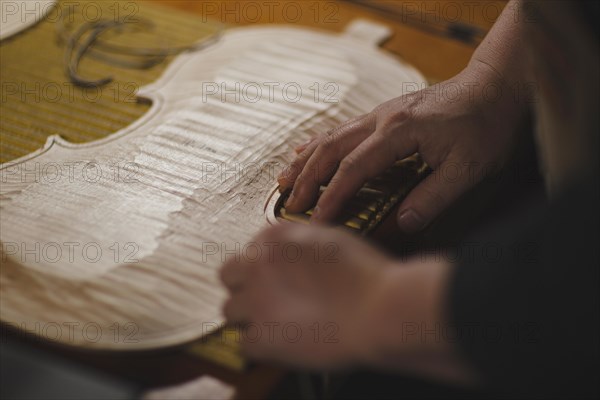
304, 295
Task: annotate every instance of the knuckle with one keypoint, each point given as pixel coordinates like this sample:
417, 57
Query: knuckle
435, 197
309, 178
349, 165
400, 114
329, 148
353, 121
296, 166
392, 115
393, 119
329, 143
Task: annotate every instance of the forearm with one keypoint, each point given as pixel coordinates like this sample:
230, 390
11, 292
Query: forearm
498, 73
407, 327
502, 50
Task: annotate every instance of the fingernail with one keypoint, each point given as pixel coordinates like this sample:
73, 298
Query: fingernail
315, 214
410, 222
301, 147
290, 200
284, 172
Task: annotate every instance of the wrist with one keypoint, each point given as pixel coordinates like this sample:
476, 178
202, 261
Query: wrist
502, 104
405, 323
408, 297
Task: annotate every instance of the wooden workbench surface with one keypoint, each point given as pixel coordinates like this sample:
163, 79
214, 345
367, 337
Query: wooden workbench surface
436, 56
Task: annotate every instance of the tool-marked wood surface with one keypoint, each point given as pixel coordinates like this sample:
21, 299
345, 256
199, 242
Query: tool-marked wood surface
129, 231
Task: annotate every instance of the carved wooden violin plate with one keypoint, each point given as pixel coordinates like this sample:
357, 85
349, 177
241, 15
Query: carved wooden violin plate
116, 244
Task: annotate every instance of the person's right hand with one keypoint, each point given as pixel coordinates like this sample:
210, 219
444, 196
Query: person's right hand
462, 128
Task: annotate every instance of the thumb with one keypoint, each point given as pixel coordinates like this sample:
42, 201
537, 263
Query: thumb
431, 197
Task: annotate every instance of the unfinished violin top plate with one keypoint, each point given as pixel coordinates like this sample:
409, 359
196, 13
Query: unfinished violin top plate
116, 244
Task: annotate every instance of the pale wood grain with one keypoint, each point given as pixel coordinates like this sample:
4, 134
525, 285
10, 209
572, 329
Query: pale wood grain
182, 215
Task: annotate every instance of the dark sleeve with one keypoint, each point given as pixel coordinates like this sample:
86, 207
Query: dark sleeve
526, 301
